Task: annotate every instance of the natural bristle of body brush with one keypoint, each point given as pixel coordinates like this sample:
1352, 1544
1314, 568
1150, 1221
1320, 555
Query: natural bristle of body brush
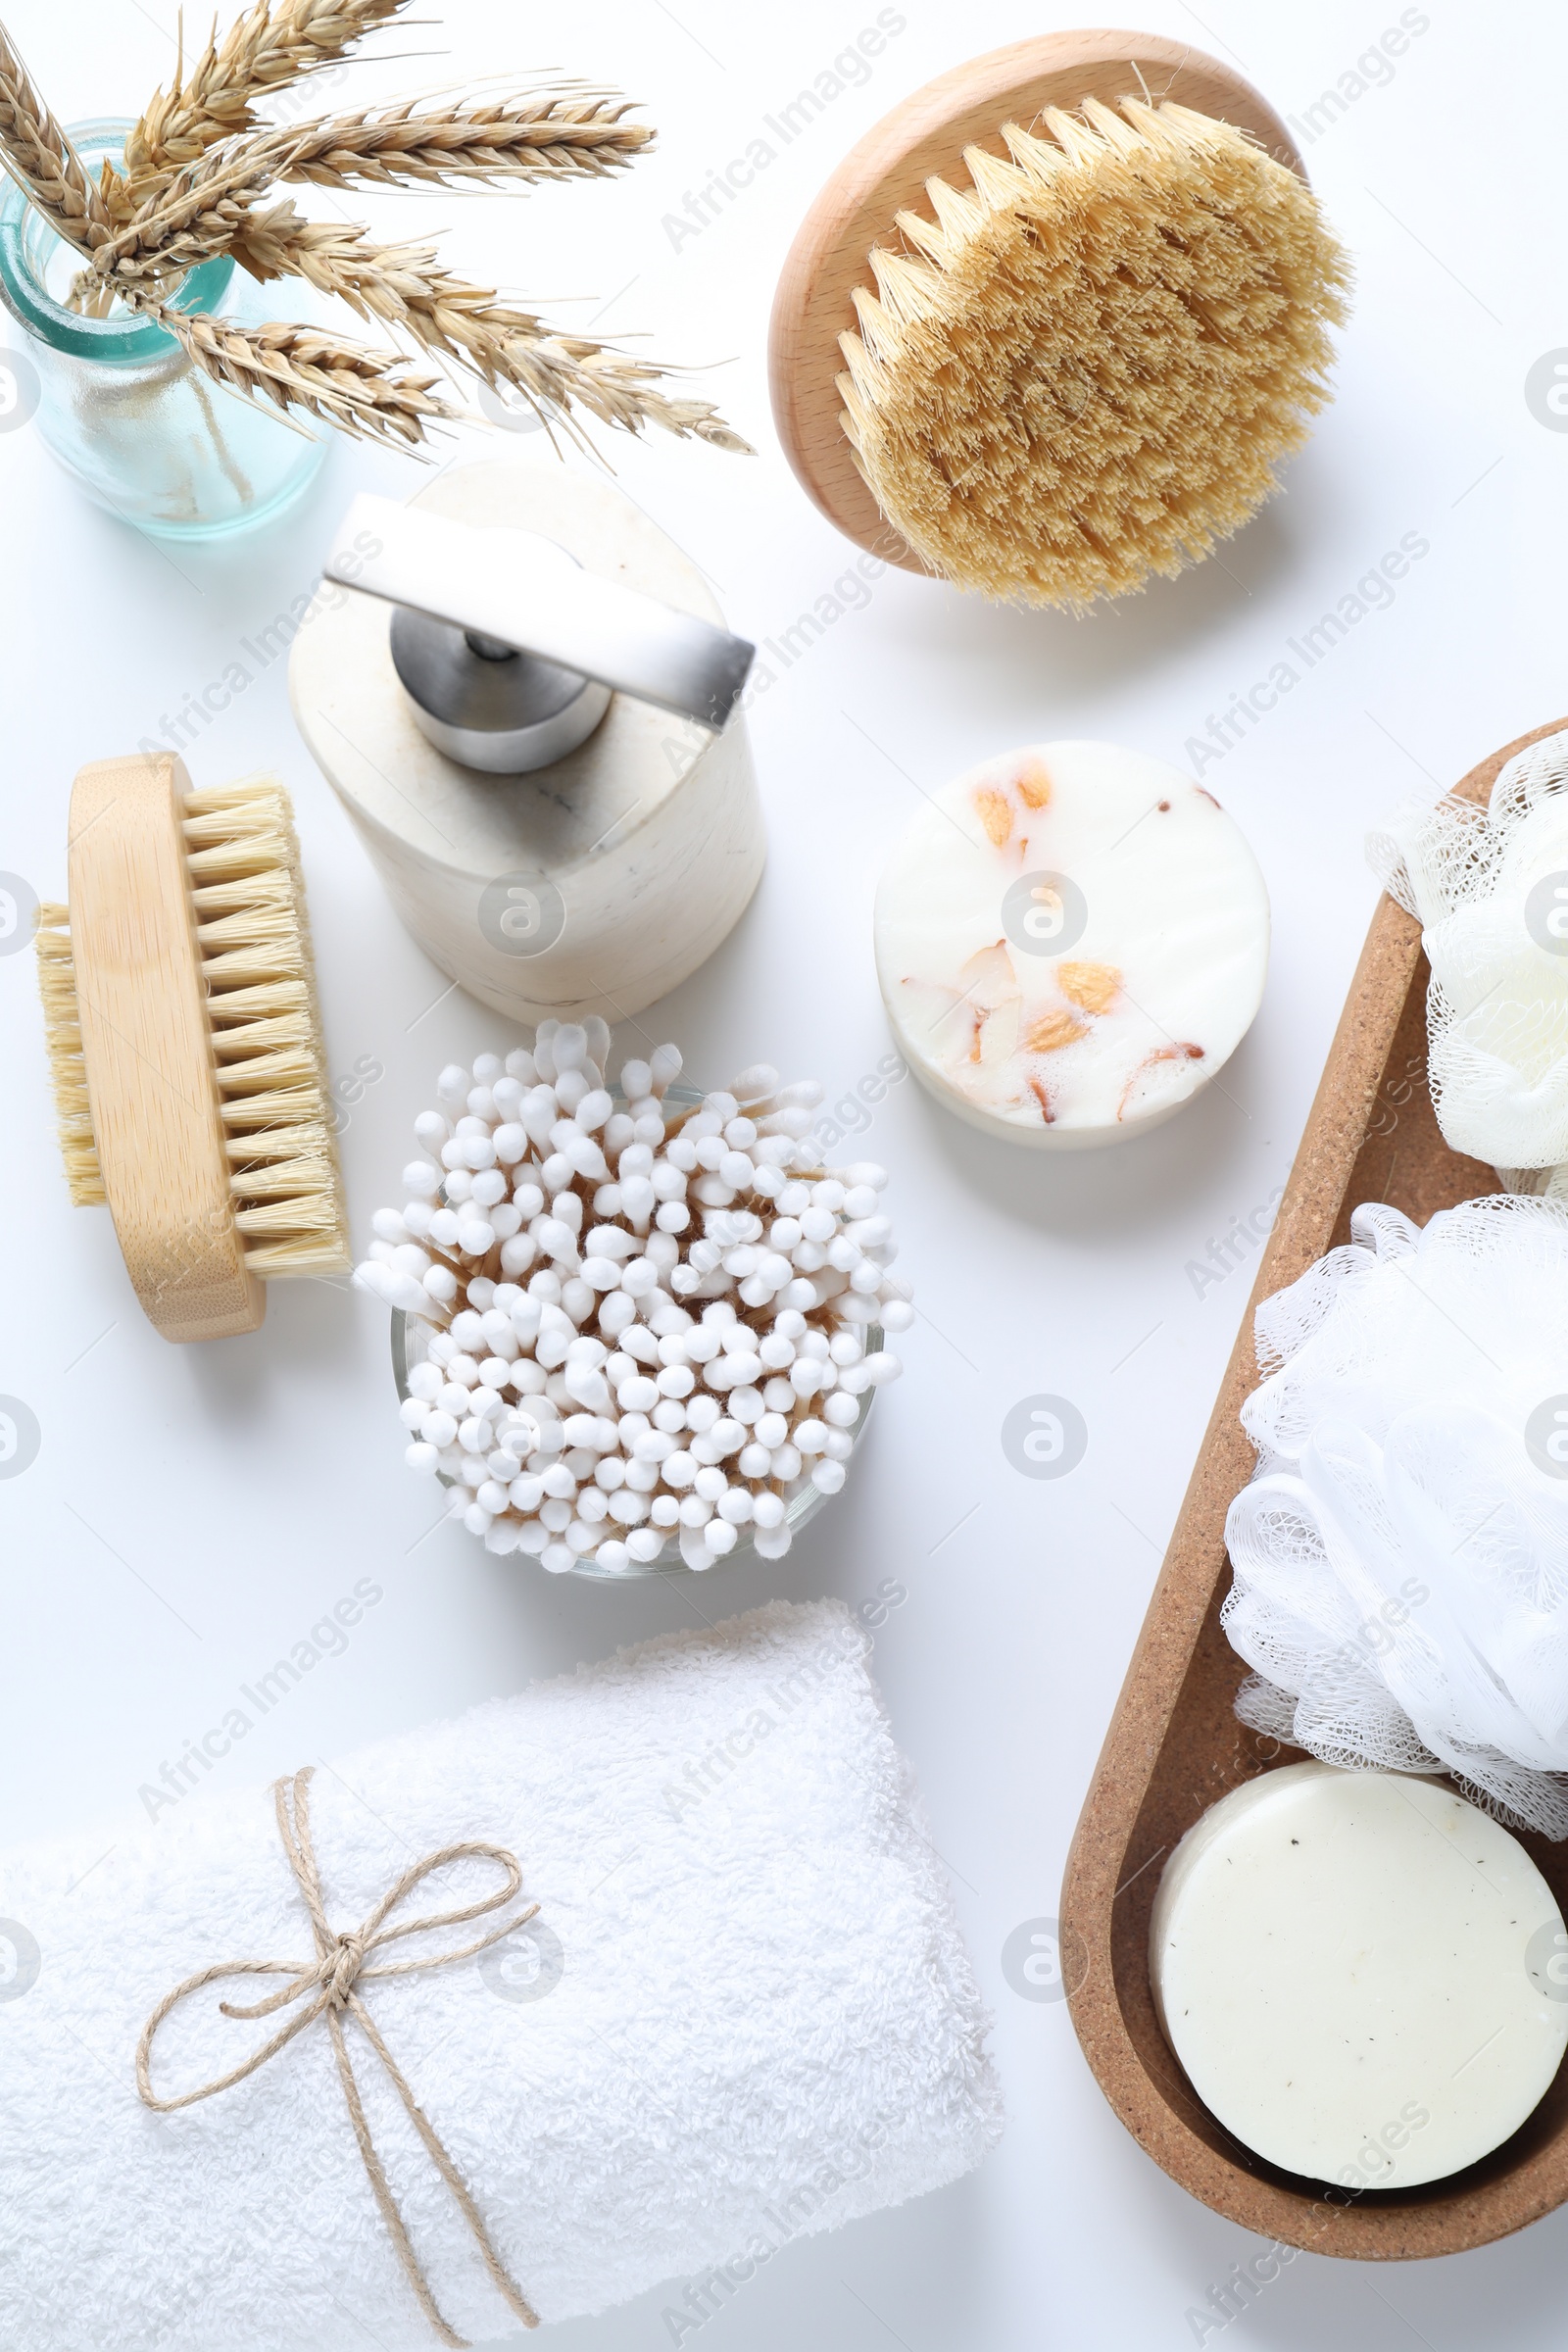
189, 1071
56, 986
1088, 366
249, 898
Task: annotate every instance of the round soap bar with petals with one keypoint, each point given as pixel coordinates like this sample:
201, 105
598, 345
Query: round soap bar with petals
1365, 1978
1070, 942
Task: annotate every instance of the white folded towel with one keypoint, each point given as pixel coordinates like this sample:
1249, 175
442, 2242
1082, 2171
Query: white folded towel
744, 2012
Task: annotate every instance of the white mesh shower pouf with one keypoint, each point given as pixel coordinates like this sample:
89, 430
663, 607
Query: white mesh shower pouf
1489, 888
1400, 1556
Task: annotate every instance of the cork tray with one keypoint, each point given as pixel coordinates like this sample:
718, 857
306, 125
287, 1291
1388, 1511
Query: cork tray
1174, 1744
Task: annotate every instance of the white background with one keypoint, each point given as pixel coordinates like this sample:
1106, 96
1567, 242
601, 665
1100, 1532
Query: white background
194, 1510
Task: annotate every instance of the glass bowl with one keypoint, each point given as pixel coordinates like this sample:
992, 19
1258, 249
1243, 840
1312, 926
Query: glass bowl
801, 1505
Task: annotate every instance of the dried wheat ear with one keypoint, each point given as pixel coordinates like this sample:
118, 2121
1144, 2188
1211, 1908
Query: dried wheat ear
36, 153
1086, 368
274, 44
201, 158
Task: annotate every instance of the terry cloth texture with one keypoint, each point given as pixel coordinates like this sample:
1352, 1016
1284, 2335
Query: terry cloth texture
744, 2011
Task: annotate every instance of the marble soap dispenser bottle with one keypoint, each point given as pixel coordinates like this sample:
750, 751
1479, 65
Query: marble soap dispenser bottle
539, 745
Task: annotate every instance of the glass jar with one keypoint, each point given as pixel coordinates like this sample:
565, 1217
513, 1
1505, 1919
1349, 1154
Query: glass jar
802, 1500
139, 428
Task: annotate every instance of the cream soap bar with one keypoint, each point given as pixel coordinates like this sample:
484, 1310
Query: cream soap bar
1365, 1978
1070, 942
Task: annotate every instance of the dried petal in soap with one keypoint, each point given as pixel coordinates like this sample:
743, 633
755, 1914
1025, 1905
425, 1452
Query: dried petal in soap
995, 814
1052, 1031
1091, 987
1034, 785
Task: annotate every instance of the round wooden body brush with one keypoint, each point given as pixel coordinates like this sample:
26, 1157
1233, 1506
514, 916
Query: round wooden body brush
1093, 334
180, 1007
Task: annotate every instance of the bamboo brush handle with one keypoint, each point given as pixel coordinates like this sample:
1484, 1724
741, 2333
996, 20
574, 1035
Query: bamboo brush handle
147, 1050
923, 138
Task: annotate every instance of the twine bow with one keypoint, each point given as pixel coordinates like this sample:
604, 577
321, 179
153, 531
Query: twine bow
329, 1987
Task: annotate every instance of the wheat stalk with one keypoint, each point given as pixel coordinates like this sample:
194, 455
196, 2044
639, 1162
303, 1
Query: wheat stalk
373, 395
198, 215
407, 288
191, 187
274, 43
544, 136
38, 154
199, 210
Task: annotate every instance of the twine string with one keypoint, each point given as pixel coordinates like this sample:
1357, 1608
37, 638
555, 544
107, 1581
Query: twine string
329, 1987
